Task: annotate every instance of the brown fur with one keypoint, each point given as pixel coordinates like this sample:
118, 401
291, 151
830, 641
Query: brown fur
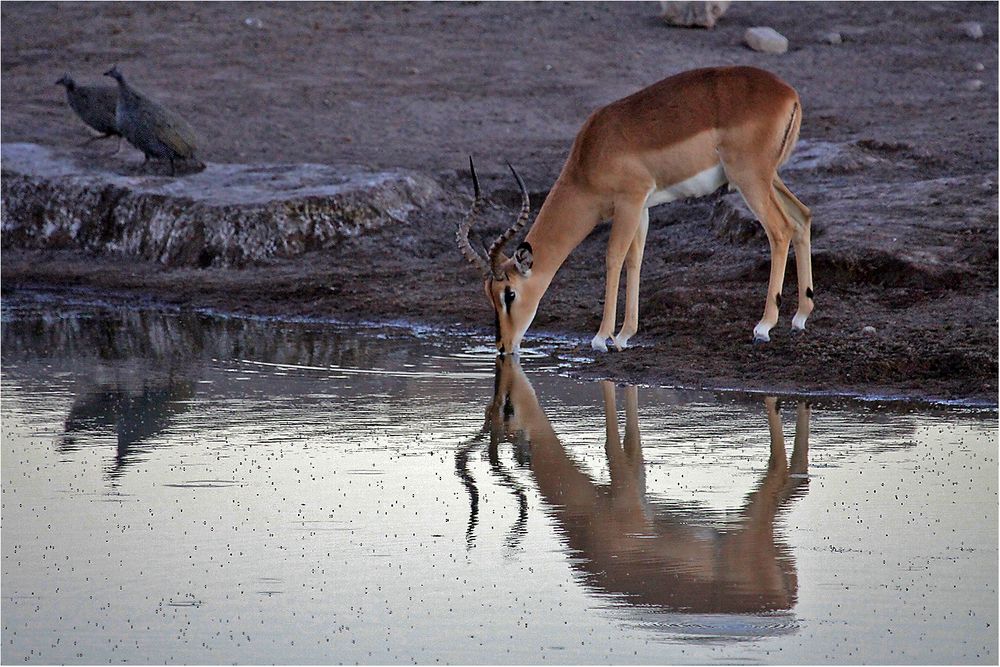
680, 107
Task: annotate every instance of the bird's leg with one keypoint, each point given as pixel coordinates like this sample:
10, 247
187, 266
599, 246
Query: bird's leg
93, 139
119, 149
173, 171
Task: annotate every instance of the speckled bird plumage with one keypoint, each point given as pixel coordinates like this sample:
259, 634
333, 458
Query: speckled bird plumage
152, 128
95, 105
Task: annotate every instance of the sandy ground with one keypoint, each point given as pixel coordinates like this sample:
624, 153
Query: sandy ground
905, 240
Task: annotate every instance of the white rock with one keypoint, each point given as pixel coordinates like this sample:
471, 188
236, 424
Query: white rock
973, 84
868, 330
765, 40
831, 37
979, 67
692, 14
972, 29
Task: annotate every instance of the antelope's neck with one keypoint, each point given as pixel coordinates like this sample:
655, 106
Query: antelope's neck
567, 217
559, 479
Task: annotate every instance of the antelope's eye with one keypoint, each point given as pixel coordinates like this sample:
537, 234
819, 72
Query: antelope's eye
508, 296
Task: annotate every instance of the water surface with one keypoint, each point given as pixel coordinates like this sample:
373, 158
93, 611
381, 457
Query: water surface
181, 487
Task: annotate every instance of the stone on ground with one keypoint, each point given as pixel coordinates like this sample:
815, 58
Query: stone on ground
765, 40
692, 14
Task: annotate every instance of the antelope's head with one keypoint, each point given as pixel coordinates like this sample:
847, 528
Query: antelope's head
507, 280
514, 411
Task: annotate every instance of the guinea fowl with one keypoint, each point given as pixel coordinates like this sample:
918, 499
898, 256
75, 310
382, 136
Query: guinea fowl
152, 128
95, 105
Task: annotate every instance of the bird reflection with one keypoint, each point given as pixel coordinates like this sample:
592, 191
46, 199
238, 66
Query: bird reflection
134, 415
673, 556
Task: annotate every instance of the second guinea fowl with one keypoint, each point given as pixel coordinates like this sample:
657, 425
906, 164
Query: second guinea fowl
152, 128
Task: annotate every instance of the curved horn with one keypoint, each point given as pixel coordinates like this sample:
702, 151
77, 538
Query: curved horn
462, 235
522, 219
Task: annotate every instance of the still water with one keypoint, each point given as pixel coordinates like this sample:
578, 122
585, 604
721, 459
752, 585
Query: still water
181, 487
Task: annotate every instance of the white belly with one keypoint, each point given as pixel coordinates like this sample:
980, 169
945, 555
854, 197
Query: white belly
699, 185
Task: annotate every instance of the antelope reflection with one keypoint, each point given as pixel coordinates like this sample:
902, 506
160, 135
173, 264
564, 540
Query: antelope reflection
651, 552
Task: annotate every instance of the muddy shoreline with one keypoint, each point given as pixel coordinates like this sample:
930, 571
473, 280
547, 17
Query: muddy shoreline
897, 159
554, 350
638, 365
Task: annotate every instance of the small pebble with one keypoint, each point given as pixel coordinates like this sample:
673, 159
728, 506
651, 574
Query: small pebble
831, 38
973, 84
868, 330
979, 67
972, 29
702, 308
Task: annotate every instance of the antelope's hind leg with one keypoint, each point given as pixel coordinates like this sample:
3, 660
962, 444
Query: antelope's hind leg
802, 217
762, 199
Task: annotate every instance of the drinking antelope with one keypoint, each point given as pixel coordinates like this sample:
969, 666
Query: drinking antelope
653, 552
685, 136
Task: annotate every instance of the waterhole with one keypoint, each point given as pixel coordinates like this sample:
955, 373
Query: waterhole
190, 488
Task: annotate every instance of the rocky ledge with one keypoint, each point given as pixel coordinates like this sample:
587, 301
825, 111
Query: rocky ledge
226, 215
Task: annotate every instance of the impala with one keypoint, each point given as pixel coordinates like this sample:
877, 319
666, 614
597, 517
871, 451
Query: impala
685, 136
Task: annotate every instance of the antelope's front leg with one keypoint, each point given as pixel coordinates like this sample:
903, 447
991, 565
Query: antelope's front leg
633, 266
624, 456
627, 220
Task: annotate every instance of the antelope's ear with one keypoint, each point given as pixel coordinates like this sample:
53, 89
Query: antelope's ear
523, 259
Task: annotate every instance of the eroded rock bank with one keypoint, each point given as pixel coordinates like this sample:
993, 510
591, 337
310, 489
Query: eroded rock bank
227, 215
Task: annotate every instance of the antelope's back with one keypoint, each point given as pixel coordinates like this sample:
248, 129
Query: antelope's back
676, 110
